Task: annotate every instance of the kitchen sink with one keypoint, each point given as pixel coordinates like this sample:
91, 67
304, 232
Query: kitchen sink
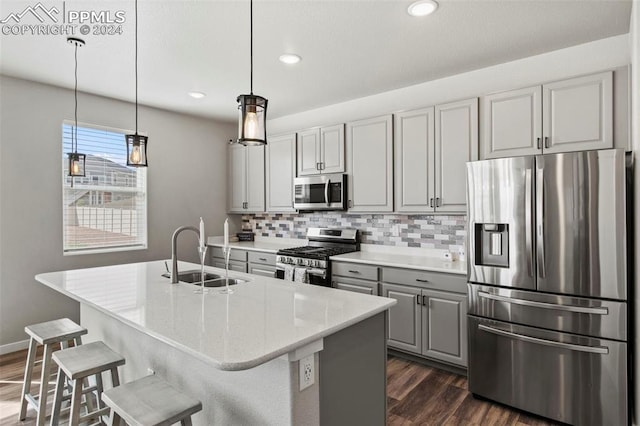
221, 282
210, 280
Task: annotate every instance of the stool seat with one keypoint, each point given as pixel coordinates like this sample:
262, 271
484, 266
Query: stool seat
55, 331
86, 360
150, 401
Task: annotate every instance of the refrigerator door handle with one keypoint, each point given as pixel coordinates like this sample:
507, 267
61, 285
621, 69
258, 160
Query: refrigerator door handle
540, 222
534, 304
570, 346
527, 217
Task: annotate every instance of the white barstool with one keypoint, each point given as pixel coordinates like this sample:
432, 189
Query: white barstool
150, 401
78, 364
48, 334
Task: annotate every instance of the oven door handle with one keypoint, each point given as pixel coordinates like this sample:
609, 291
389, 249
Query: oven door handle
326, 191
534, 304
570, 346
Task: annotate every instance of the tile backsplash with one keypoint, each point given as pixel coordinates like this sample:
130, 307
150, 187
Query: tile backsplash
420, 230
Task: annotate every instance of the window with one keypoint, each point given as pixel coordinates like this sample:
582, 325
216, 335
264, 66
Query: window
107, 209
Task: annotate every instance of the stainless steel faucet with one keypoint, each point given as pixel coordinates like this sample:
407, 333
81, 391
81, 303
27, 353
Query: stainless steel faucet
174, 250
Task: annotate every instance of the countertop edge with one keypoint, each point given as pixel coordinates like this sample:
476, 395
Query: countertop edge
391, 264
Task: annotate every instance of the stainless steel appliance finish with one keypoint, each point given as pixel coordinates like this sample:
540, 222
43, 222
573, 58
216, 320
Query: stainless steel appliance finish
321, 192
569, 378
547, 271
323, 243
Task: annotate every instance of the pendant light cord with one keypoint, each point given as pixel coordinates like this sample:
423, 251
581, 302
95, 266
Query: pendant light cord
76, 99
136, 38
251, 43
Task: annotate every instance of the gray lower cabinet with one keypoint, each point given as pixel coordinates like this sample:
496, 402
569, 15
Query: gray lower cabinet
237, 259
427, 322
355, 277
263, 264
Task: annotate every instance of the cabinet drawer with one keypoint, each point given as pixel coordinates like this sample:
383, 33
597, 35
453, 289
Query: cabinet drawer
262, 270
260, 257
345, 269
356, 285
233, 265
240, 255
425, 279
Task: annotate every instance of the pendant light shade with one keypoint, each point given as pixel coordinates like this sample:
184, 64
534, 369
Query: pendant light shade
252, 109
136, 144
252, 115
76, 160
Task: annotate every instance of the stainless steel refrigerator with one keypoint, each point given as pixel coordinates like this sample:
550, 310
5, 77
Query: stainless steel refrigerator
548, 294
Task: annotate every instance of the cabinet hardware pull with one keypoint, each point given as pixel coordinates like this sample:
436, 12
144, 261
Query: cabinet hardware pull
539, 140
546, 141
437, 201
317, 166
350, 203
354, 272
417, 299
322, 166
420, 280
424, 300
430, 202
262, 258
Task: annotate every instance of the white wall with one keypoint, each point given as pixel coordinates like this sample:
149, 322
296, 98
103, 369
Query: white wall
583, 59
186, 180
635, 143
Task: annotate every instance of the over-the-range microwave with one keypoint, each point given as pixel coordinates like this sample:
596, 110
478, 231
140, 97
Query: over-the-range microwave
320, 192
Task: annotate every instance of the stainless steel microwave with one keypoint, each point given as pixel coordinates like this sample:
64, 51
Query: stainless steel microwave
320, 192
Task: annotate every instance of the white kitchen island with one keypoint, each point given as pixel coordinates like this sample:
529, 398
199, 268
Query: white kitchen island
239, 353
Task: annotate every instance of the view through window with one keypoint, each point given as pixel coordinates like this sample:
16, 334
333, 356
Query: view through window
107, 209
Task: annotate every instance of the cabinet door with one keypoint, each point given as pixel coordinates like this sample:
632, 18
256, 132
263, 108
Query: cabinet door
414, 172
404, 326
578, 113
280, 170
255, 179
370, 165
237, 178
444, 327
358, 286
512, 123
332, 149
308, 147
456, 143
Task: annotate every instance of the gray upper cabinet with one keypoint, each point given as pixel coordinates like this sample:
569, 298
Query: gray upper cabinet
246, 175
280, 170
432, 146
321, 150
578, 113
569, 115
370, 164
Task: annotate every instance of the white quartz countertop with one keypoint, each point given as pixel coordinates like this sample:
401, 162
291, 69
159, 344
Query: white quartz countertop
424, 263
270, 245
262, 320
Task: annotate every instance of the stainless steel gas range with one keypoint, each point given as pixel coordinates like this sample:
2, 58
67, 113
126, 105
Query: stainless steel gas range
310, 264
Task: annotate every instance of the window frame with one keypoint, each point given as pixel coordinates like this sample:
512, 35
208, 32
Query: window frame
101, 250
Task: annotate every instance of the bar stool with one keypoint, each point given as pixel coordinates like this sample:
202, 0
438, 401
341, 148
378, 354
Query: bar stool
48, 334
150, 401
78, 364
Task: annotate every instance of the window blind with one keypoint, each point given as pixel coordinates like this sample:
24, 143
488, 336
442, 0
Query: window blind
107, 209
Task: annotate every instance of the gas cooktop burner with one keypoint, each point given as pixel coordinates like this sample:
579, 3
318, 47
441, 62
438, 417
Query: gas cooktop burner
315, 252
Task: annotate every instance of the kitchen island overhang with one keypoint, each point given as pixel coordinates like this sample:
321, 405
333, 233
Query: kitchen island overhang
238, 353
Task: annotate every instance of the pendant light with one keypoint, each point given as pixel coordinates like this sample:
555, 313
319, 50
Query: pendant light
252, 110
76, 160
136, 144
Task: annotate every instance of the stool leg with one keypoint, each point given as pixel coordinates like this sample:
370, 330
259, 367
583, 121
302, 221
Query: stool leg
44, 384
57, 400
28, 371
76, 400
115, 379
100, 389
186, 422
115, 419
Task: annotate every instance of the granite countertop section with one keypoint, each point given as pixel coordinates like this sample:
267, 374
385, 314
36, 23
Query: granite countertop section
266, 245
262, 320
401, 260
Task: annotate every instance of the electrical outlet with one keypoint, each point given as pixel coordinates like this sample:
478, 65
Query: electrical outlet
307, 372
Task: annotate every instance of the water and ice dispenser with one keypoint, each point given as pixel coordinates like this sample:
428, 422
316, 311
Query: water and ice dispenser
492, 244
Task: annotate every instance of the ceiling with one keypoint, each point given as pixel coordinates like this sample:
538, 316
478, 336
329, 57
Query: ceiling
350, 48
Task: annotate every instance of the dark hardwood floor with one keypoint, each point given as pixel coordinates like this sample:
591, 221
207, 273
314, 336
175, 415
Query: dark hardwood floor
417, 394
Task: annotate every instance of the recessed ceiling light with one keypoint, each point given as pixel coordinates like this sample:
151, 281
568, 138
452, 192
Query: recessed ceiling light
422, 8
290, 58
197, 95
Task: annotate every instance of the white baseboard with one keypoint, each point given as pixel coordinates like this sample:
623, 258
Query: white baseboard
14, 347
